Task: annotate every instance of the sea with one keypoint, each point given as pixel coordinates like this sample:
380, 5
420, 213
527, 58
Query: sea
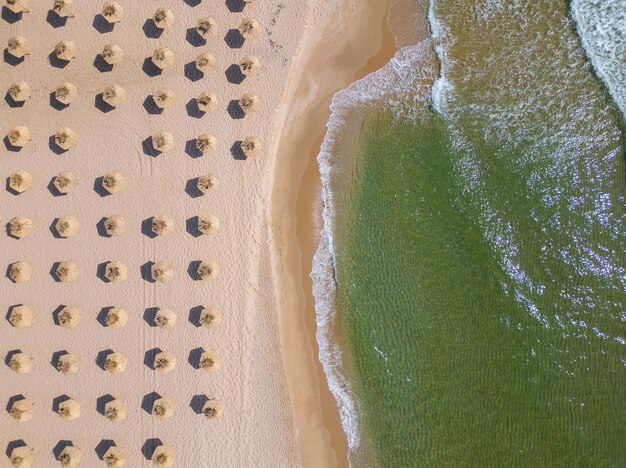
470, 280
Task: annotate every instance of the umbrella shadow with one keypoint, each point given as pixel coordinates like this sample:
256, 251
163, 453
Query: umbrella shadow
55, 103
52, 144
150, 106
192, 270
54, 20
7, 228
53, 189
237, 152
191, 188
146, 227
100, 226
102, 401
101, 318
54, 362
197, 403
13, 445
9, 188
10, 354
234, 39
10, 311
149, 316
12, 59
192, 227
102, 105
10, 16
148, 358
101, 25
60, 446
12, 102
235, 6
54, 230
10, 147
146, 272
101, 358
150, 69
56, 62
193, 3
98, 187
12, 400
53, 272
56, 402
192, 73
151, 30
193, 110
101, 272
234, 75
149, 447
101, 65
148, 148
8, 272
55, 314
103, 446
192, 150
234, 110
194, 357
194, 315
194, 38
147, 403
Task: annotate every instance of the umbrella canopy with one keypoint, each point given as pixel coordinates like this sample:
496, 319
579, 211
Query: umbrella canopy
20, 181
21, 316
68, 364
22, 457
164, 98
115, 225
64, 8
163, 57
162, 141
115, 457
213, 409
69, 410
162, 225
113, 181
206, 27
249, 28
250, 146
65, 181
163, 18
249, 65
115, 363
20, 272
207, 102
21, 363
66, 92
67, 226
210, 317
163, 456
207, 182
22, 410
116, 318
69, 317
20, 91
67, 271
65, 138
19, 136
210, 361
18, 46
70, 457
116, 410
249, 102
165, 318
112, 12
114, 95
205, 62
208, 270
208, 224
164, 362
20, 226
112, 54
162, 272
163, 408
65, 50
206, 142
17, 6
116, 271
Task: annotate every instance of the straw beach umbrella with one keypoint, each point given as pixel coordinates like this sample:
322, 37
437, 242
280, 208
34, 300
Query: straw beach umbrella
68, 364
20, 181
21, 316
162, 141
207, 102
208, 224
20, 227
250, 146
112, 54
249, 65
206, 27
65, 93
163, 58
116, 410
210, 317
115, 363
208, 270
21, 363
64, 8
249, 28
67, 271
212, 409
206, 142
164, 456
207, 182
22, 410
210, 361
164, 362
164, 98
114, 95
22, 457
116, 271
67, 226
69, 410
163, 18
112, 12
162, 225
20, 272
65, 50
163, 408
65, 138
205, 62
18, 46
165, 318
69, 317
70, 457
17, 6
20, 91
115, 457
115, 225
113, 181
162, 272
65, 181
116, 318
249, 102
18, 136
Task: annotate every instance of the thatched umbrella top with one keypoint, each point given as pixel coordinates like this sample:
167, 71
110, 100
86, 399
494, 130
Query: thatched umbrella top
164, 98
249, 102
20, 91
162, 141
67, 271
18, 46
66, 92
207, 102
164, 362
210, 361
212, 409
64, 8
115, 225
21, 316
163, 18
22, 457
206, 142
162, 272
20, 181
163, 408
69, 410
112, 12
70, 457
67, 226
210, 317
208, 224
17, 6
65, 50
22, 410
65, 138
206, 27
208, 270
249, 28
116, 410
112, 54
20, 272
165, 318
163, 57
249, 65
114, 95
116, 271
65, 181
208, 182
19, 136
115, 457
162, 225
68, 364
164, 456
20, 226
115, 363
69, 317
116, 318
21, 363
205, 61
250, 146
113, 181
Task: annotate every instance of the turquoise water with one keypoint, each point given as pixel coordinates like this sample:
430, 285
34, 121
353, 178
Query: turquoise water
479, 253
